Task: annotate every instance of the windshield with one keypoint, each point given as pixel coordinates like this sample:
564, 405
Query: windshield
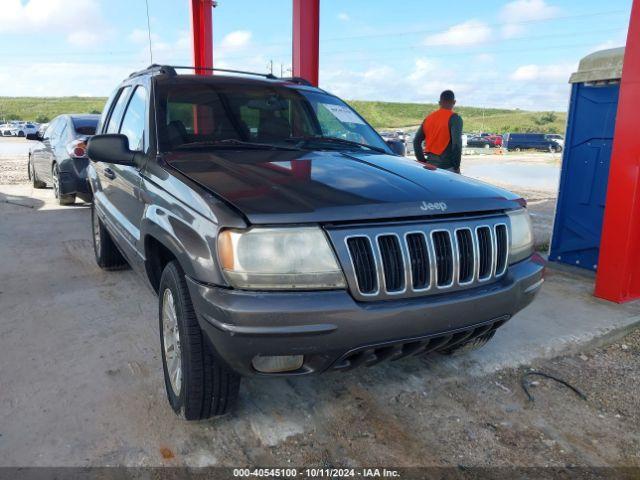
196, 114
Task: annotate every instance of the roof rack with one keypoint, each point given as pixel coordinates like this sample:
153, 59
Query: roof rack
298, 80
270, 76
155, 68
171, 70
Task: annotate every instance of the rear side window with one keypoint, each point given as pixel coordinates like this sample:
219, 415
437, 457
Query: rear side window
61, 134
85, 126
134, 120
116, 112
51, 128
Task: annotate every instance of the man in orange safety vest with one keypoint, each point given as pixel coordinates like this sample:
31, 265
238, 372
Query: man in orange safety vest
441, 133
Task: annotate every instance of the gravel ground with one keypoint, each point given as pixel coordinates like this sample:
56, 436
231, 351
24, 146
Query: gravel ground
463, 421
13, 169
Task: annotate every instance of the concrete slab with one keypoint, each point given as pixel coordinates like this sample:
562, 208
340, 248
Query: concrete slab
80, 371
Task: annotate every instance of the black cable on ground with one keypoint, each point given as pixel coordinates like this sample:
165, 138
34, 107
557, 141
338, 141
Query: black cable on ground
523, 383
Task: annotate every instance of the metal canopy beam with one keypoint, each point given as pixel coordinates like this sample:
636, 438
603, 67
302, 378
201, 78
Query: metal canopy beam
306, 39
202, 31
618, 277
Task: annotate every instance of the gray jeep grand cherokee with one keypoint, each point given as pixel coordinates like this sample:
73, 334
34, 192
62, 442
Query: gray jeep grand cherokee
284, 237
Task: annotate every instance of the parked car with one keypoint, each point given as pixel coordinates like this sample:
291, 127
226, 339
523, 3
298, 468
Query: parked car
5, 129
22, 129
276, 248
395, 141
479, 142
408, 141
530, 141
496, 140
60, 157
559, 139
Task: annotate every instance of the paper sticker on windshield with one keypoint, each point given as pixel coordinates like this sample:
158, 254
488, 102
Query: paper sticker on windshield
342, 113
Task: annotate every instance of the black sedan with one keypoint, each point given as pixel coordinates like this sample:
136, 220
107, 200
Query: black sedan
60, 157
479, 142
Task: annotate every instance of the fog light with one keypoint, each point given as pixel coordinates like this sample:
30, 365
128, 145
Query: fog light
277, 363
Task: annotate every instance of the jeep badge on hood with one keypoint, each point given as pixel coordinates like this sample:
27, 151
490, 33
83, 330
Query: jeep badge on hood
429, 206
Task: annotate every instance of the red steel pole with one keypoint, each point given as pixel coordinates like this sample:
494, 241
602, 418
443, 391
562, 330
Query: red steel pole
618, 277
306, 39
202, 30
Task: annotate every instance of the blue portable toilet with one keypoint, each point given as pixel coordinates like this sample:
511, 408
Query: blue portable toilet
585, 162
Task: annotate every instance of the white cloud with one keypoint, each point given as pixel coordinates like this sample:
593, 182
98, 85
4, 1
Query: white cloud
64, 78
543, 87
83, 38
344, 17
423, 83
140, 36
470, 32
53, 16
543, 73
516, 14
423, 68
484, 58
236, 40
176, 52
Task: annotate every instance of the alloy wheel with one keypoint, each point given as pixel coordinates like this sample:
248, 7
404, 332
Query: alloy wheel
96, 231
171, 341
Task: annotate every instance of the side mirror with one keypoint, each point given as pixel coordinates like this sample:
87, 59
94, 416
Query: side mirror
110, 148
397, 146
34, 136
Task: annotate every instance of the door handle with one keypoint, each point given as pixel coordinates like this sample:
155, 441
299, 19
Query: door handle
110, 174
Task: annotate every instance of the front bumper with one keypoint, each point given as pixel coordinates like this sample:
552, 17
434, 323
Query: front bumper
328, 327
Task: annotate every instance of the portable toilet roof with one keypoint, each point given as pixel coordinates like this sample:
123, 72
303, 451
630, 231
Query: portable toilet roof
601, 66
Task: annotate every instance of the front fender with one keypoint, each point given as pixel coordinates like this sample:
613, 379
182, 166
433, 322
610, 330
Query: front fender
180, 232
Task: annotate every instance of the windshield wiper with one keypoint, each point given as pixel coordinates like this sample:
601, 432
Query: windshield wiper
232, 142
319, 138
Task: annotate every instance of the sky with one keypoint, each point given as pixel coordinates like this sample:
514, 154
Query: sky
494, 53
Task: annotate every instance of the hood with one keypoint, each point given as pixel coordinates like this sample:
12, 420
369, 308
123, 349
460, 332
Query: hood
275, 187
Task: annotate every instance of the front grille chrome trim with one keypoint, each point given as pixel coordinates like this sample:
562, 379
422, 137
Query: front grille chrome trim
454, 260
474, 253
381, 263
375, 260
491, 265
425, 257
432, 268
506, 250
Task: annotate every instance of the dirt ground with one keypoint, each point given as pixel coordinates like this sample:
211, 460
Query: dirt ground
82, 386
463, 421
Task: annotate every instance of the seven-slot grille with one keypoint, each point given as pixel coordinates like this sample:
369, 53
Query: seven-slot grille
418, 260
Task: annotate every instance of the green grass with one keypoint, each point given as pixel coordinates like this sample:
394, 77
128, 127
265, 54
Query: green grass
43, 109
380, 114
398, 115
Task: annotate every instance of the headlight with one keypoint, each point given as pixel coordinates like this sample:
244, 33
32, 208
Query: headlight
279, 259
521, 235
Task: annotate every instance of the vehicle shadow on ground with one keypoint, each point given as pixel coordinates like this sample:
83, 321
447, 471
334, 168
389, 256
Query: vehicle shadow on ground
21, 201
78, 203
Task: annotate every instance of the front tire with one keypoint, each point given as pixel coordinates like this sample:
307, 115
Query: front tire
108, 257
198, 384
